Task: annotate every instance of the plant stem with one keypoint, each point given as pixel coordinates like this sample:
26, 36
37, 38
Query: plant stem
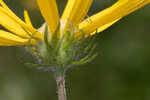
60, 79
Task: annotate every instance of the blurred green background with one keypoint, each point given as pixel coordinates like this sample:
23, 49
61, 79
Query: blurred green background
120, 72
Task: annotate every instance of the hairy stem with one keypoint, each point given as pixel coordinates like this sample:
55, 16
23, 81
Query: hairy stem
61, 87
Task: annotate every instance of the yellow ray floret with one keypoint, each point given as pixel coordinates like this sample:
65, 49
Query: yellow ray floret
137, 6
75, 12
109, 16
8, 39
105, 26
49, 11
102, 18
7, 12
27, 18
12, 25
20, 32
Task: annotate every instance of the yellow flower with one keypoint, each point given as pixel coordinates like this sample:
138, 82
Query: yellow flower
19, 31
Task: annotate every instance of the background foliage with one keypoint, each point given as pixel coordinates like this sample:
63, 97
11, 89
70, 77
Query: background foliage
120, 72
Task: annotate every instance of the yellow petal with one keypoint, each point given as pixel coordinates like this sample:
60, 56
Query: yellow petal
75, 12
28, 22
6, 43
27, 18
11, 15
137, 6
49, 11
102, 28
98, 30
110, 15
104, 17
8, 38
9, 43
12, 25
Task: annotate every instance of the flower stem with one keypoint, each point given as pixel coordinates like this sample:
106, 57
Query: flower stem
60, 79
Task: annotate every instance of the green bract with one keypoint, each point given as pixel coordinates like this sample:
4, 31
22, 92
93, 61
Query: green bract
61, 54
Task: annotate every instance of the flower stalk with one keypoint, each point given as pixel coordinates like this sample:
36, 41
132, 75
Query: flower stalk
61, 89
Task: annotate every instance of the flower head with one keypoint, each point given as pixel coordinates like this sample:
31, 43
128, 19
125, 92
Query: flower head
62, 41
19, 32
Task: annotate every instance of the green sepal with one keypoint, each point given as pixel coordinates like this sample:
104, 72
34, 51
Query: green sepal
61, 52
85, 60
65, 49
